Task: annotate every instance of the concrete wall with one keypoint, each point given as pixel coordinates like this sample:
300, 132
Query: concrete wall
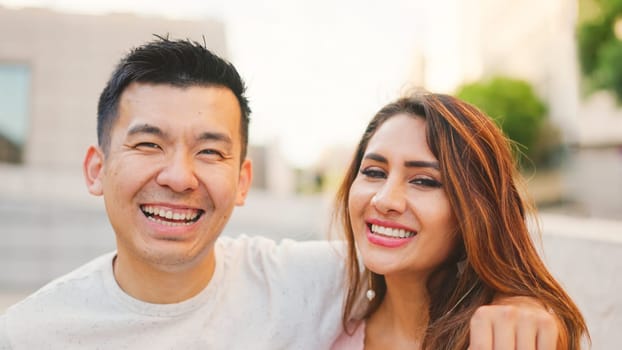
593, 181
44, 238
70, 59
585, 255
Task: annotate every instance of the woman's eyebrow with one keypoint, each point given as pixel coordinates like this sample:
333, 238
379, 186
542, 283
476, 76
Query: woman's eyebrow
409, 163
376, 157
421, 164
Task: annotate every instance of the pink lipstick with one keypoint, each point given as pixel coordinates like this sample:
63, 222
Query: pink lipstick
388, 235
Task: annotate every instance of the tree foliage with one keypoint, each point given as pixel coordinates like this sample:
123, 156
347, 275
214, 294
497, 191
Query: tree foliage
600, 51
513, 105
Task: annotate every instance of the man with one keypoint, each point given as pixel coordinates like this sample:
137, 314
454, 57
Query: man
171, 165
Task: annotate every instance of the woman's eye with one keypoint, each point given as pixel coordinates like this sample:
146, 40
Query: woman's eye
373, 173
427, 182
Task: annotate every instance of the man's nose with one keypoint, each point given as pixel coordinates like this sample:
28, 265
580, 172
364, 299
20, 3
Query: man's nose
178, 173
391, 197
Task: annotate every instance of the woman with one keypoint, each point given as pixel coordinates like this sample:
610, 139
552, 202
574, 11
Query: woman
431, 204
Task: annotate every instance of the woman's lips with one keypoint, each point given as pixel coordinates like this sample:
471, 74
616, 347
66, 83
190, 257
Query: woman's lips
389, 237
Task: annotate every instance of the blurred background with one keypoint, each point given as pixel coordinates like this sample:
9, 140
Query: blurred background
549, 72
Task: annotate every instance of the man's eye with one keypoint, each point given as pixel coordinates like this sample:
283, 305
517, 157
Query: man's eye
212, 153
373, 173
147, 145
426, 182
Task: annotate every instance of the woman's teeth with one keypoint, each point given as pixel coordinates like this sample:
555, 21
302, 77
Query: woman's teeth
391, 232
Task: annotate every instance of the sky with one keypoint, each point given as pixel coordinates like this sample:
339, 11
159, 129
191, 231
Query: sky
316, 71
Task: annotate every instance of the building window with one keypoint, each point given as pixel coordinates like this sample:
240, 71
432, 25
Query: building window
14, 110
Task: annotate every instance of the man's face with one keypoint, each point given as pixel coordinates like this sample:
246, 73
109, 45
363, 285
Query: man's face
172, 174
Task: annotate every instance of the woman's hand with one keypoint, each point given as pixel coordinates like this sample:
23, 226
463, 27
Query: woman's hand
513, 323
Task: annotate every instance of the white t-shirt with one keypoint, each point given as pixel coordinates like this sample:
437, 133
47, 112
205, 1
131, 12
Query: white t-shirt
262, 295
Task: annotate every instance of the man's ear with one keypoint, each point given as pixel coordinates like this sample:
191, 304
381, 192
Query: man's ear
93, 170
244, 183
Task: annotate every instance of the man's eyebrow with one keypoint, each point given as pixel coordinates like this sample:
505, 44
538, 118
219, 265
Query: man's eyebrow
145, 129
215, 136
154, 130
410, 163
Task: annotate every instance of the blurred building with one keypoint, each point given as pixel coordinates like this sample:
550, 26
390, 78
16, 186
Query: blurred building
535, 41
52, 69
470, 40
531, 40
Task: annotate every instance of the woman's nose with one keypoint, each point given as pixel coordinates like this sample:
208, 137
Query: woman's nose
390, 198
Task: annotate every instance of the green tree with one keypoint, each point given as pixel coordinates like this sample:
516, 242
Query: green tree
514, 106
600, 50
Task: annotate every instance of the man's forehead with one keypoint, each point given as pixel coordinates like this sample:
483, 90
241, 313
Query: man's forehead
214, 91
216, 100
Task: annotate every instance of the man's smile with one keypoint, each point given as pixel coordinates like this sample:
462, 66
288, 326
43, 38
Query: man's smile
171, 216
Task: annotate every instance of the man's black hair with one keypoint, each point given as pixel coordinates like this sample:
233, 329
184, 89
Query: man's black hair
179, 63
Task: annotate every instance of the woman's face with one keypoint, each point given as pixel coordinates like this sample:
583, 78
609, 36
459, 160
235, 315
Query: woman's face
401, 217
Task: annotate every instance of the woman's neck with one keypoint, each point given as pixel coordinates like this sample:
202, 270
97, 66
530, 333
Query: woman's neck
402, 318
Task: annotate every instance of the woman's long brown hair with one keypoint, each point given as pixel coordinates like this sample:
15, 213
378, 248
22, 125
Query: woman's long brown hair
481, 180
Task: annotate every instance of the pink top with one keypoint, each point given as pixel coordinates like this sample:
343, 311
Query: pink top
356, 341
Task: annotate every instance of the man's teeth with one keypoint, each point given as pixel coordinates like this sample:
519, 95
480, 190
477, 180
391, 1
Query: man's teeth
185, 215
170, 223
391, 232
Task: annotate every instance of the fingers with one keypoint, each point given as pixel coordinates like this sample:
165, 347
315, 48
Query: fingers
493, 327
481, 333
526, 331
548, 332
509, 327
504, 325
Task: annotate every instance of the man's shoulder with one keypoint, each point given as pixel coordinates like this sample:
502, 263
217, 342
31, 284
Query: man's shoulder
66, 286
299, 284
287, 251
62, 298
283, 262
4, 336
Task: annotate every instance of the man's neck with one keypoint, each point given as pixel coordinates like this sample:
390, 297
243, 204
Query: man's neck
162, 284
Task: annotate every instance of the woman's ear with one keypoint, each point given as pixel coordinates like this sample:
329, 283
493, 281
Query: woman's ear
93, 170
